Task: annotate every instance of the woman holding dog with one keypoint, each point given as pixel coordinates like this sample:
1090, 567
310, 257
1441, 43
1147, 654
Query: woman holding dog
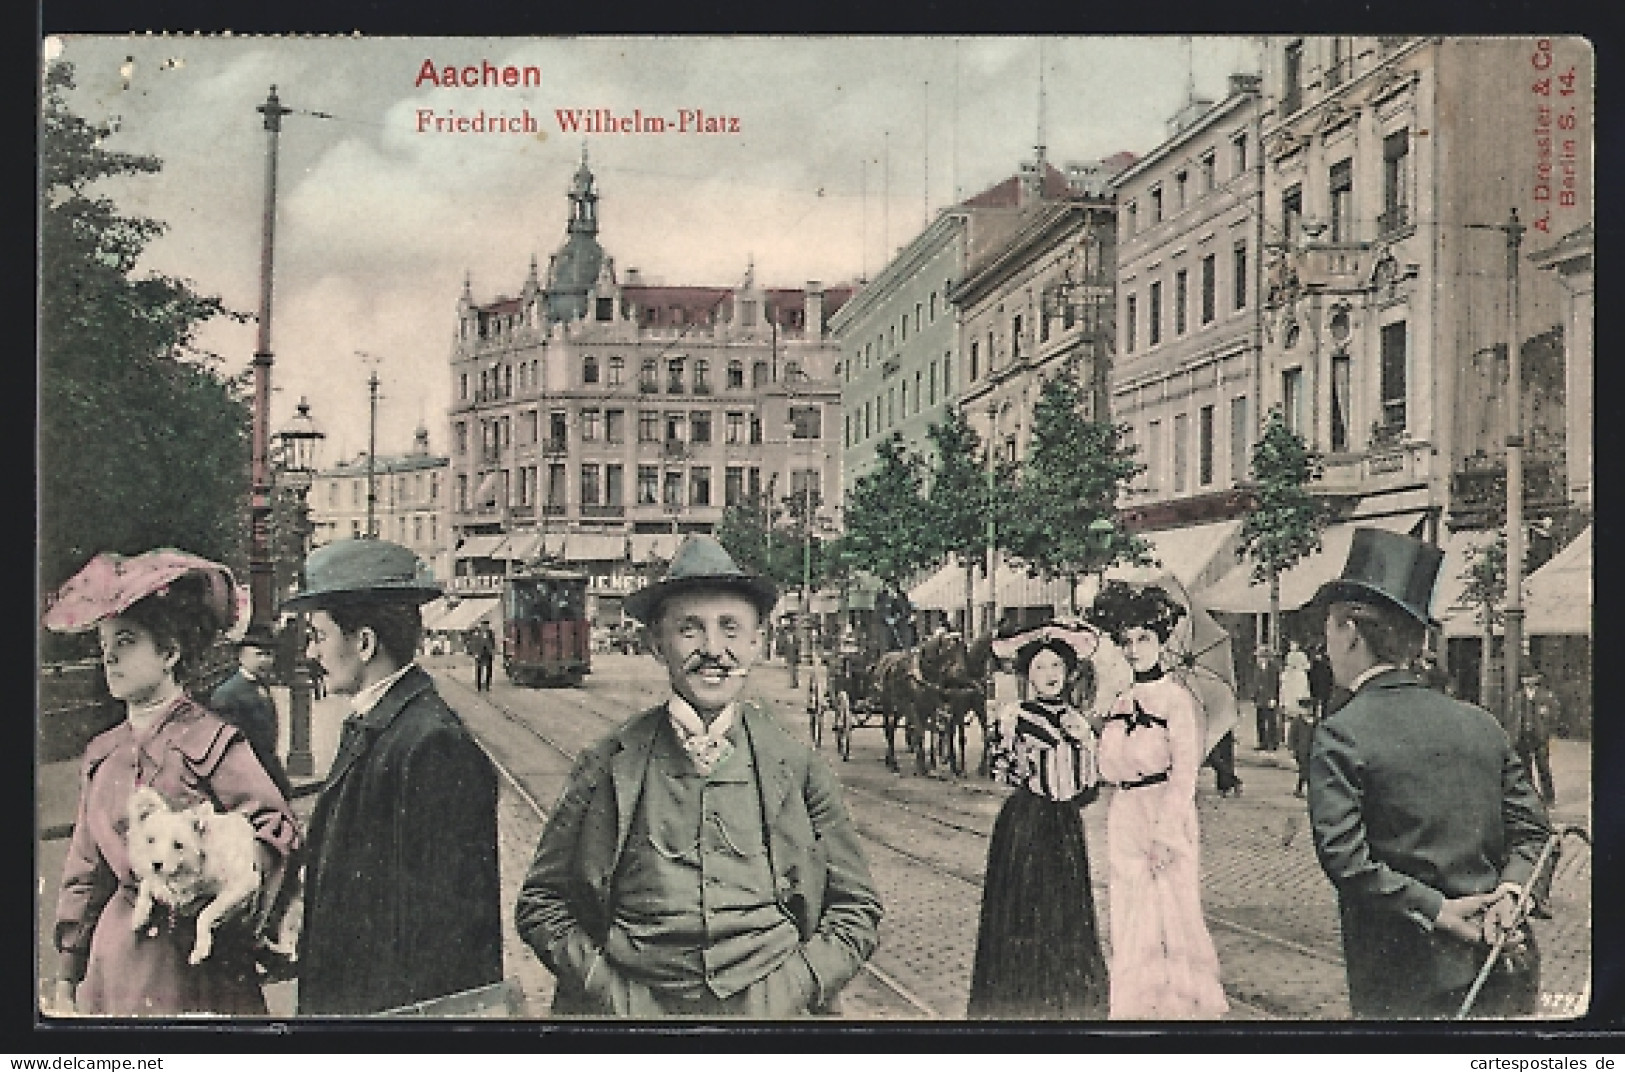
155, 615
1038, 952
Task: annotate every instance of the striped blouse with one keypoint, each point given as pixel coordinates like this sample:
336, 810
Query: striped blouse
1030, 750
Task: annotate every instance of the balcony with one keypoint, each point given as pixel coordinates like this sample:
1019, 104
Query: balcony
674, 448
1335, 265
1478, 496
595, 510
554, 509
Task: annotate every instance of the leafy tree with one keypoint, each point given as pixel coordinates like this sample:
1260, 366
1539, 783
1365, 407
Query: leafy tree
888, 527
142, 442
959, 504
1286, 520
1486, 591
1066, 498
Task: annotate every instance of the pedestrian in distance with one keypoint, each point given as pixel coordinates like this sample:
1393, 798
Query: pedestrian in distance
156, 615
244, 700
1038, 954
1530, 718
482, 644
1297, 706
401, 885
699, 862
1223, 761
1266, 698
1423, 816
1163, 965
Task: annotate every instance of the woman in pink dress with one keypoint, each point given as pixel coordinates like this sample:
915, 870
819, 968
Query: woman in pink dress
1163, 964
155, 614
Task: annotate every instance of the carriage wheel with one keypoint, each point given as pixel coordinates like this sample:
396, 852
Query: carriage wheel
843, 724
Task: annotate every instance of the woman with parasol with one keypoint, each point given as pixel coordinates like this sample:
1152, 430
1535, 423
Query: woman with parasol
1038, 952
1152, 744
155, 615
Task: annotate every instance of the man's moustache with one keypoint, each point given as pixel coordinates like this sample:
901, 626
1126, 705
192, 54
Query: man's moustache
701, 666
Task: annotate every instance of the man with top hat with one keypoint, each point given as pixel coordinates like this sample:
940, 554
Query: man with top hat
1530, 717
401, 881
1423, 817
244, 700
700, 862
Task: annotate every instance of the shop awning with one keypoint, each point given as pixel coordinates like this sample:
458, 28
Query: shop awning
1557, 597
519, 547
1198, 555
434, 611
1237, 594
480, 546
661, 545
471, 609
594, 547
944, 590
1458, 617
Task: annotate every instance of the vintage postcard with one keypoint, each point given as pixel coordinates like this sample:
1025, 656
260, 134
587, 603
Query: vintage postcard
1091, 529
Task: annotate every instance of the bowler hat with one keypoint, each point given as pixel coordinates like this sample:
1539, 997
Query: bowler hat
361, 570
701, 563
1387, 568
258, 636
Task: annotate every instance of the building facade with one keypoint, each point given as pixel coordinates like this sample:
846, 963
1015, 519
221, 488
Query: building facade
409, 507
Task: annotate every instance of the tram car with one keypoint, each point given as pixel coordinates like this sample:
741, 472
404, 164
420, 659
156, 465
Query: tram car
546, 638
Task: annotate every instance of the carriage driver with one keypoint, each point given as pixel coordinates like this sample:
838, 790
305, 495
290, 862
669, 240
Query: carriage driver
700, 862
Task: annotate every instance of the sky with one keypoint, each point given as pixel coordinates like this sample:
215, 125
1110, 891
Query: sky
844, 148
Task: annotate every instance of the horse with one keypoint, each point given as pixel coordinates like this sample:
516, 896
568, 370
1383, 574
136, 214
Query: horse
931, 691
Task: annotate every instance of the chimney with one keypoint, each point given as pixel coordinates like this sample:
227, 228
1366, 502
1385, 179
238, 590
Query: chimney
634, 278
815, 309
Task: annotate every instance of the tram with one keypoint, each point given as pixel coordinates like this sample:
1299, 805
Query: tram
546, 638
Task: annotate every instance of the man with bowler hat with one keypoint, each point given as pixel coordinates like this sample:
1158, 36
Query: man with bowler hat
401, 876
700, 862
482, 644
1423, 817
244, 700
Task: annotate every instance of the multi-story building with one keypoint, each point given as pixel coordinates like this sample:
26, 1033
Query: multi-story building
409, 506
596, 419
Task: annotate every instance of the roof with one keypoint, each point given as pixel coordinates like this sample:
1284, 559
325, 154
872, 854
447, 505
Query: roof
666, 306
385, 464
1007, 194
502, 306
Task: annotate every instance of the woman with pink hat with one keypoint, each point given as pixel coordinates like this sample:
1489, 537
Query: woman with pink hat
155, 615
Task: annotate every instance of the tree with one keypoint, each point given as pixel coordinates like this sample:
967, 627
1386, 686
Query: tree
1486, 591
888, 527
960, 506
142, 443
1066, 497
1284, 524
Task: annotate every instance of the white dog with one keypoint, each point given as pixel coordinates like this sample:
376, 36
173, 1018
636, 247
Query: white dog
186, 858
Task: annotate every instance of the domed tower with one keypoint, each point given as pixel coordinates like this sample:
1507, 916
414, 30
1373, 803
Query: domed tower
574, 268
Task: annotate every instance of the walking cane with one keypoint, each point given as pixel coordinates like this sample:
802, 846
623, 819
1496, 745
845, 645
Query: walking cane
1520, 914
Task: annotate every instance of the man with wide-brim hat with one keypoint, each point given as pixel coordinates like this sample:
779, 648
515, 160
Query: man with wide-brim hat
1422, 815
401, 901
768, 910
244, 700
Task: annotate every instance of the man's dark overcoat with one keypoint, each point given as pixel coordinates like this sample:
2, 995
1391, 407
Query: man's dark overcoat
401, 900
1415, 797
566, 907
247, 704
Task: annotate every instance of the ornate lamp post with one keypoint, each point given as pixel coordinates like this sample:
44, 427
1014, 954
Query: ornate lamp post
300, 441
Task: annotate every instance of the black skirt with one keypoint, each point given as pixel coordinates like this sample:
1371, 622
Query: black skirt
1038, 953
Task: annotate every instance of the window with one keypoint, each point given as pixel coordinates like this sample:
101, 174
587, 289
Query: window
747, 314
1133, 218
1396, 181
1181, 450
1209, 287
590, 491
1204, 445
699, 426
805, 422
758, 374
919, 397
507, 381
648, 485
1342, 190
1238, 153
1153, 313
1292, 400
1181, 299
616, 366
702, 376
699, 486
755, 427
735, 428
1292, 79
606, 308
462, 386
556, 430
555, 485
649, 376
612, 485
947, 376
1180, 186
931, 385
1156, 205
973, 355
736, 375
1393, 376
1153, 455
1338, 69
1292, 214
1239, 462
1130, 308
589, 425
804, 486
864, 431
846, 431
891, 406
933, 306
462, 491
754, 482
648, 426
903, 388
674, 488
615, 425
674, 428
1342, 385
1238, 276
589, 369
1210, 177
733, 486
462, 440
674, 376
434, 488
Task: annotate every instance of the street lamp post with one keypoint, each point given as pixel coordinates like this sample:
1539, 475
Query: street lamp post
1514, 598
990, 568
261, 578
300, 441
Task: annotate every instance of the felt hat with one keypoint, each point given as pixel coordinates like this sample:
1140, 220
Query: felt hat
361, 570
701, 563
1386, 568
110, 584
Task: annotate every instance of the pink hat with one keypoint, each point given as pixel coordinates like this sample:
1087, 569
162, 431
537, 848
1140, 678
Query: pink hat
110, 584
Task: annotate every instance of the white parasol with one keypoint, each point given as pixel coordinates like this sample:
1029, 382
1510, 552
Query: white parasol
1199, 654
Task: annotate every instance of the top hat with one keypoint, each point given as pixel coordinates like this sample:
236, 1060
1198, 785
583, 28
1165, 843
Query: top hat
701, 563
361, 570
258, 636
1387, 568
110, 584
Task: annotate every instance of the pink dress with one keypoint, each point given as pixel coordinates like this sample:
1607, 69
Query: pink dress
189, 756
1163, 964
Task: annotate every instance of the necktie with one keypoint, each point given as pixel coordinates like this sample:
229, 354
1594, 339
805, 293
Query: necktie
707, 748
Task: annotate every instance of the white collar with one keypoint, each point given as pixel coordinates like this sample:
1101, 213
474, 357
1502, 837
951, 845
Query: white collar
365, 700
250, 675
143, 719
1370, 672
689, 721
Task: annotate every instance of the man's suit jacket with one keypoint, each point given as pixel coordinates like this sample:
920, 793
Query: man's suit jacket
1415, 797
401, 891
566, 906
248, 705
